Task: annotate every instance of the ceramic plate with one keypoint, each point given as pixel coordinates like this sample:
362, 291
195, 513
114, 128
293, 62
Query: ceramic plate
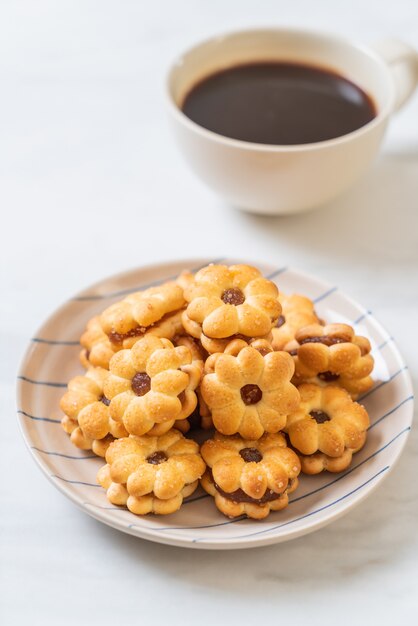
52, 359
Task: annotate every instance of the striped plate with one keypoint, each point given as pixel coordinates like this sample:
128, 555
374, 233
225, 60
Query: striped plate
52, 359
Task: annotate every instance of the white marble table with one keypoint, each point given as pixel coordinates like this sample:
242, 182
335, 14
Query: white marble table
91, 184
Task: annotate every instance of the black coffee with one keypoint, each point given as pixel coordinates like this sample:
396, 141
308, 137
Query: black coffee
278, 103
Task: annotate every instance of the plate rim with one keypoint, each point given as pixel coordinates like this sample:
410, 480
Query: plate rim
150, 533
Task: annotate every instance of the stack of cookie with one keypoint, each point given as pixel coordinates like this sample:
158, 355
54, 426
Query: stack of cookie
223, 351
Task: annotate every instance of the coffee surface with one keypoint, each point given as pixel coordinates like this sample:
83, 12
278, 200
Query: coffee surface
278, 104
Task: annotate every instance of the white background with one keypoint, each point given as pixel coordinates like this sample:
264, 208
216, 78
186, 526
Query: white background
92, 184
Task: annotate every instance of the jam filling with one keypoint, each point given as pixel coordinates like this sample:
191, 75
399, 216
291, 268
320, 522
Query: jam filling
141, 383
105, 400
325, 339
320, 416
251, 455
328, 376
251, 394
245, 338
281, 321
157, 457
233, 296
239, 495
293, 352
87, 354
118, 338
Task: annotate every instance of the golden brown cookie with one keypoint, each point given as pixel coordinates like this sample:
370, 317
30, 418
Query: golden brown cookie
327, 428
87, 418
297, 312
248, 477
168, 327
185, 279
129, 319
97, 349
249, 393
151, 474
332, 354
152, 385
227, 301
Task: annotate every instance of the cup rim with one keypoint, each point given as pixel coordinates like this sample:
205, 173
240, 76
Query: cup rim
176, 111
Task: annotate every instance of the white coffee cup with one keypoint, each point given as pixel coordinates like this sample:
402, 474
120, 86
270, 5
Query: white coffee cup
274, 179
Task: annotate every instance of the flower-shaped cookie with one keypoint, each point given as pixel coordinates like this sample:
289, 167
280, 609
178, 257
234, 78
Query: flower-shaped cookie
228, 301
249, 477
297, 312
97, 349
152, 385
129, 319
87, 418
151, 474
332, 354
327, 428
202, 415
249, 394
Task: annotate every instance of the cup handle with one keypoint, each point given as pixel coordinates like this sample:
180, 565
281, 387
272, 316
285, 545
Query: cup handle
402, 61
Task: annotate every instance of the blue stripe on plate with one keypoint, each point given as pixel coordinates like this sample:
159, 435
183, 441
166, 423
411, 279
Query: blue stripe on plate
226, 523
41, 382
361, 318
114, 294
74, 482
398, 406
385, 343
325, 295
116, 507
281, 270
53, 342
383, 383
65, 456
40, 419
57, 342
